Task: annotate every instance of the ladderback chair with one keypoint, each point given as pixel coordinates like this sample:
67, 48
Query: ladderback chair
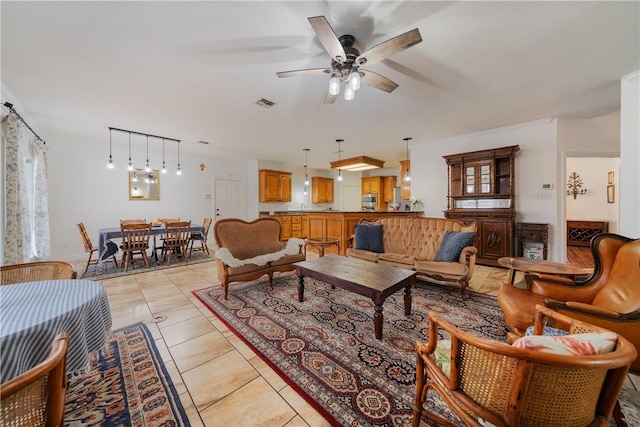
200, 237
88, 247
609, 298
132, 221
36, 397
489, 381
176, 240
38, 270
135, 241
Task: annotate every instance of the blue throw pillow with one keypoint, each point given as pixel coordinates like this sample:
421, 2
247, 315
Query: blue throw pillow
369, 237
452, 245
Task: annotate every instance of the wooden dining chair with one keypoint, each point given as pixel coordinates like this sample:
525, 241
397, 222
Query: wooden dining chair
37, 270
36, 397
200, 237
135, 241
176, 240
88, 247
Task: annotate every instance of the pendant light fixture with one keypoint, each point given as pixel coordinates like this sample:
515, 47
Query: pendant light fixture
407, 175
110, 163
147, 167
130, 165
164, 166
306, 174
339, 141
178, 172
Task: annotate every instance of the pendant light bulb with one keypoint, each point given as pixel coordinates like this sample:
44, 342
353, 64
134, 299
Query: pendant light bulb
178, 171
306, 180
339, 175
407, 174
306, 161
130, 165
147, 167
354, 80
164, 168
305, 191
349, 93
334, 85
110, 162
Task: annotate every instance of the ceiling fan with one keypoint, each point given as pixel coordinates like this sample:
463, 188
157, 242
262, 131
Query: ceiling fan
346, 60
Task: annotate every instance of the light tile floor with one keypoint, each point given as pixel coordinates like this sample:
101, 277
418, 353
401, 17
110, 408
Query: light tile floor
220, 380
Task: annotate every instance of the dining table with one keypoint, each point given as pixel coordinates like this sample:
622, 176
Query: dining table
33, 313
108, 233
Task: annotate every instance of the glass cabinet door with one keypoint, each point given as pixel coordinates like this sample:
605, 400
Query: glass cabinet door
485, 179
470, 179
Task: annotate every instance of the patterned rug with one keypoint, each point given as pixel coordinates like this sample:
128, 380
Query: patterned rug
106, 270
127, 385
326, 350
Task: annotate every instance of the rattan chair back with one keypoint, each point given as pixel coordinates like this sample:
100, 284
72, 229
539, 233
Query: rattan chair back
38, 270
36, 397
512, 386
135, 241
176, 240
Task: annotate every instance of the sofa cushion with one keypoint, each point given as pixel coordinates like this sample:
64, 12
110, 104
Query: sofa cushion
362, 254
448, 270
452, 245
407, 260
588, 344
369, 237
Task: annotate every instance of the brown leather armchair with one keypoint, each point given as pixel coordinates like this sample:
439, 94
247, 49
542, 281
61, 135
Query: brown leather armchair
609, 298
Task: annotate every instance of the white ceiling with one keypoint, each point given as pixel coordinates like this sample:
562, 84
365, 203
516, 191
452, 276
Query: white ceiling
194, 70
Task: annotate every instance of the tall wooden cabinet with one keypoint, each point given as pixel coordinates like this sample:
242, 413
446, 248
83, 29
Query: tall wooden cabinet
482, 190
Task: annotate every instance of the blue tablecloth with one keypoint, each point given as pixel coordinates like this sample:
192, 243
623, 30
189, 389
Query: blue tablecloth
115, 233
33, 313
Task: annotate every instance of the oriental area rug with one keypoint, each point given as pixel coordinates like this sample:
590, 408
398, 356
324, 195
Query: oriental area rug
126, 385
325, 348
107, 270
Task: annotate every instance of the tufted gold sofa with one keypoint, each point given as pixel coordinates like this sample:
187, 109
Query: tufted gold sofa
413, 242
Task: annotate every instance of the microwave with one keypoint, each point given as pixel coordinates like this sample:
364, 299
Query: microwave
369, 199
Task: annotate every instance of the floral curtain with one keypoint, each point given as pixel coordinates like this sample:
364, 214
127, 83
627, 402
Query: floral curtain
26, 233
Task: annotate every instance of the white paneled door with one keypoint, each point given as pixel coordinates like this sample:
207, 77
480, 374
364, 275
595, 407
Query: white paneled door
229, 199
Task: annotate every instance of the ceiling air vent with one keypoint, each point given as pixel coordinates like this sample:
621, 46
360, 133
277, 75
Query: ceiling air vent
265, 103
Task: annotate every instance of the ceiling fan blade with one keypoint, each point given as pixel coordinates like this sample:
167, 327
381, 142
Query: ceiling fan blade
328, 38
377, 81
306, 72
330, 99
390, 47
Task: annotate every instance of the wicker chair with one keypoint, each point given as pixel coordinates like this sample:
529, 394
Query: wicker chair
38, 270
135, 240
176, 240
509, 386
202, 238
36, 397
88, 247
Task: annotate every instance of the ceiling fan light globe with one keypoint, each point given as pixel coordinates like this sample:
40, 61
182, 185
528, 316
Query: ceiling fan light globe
354, 80
349, 93
334, 85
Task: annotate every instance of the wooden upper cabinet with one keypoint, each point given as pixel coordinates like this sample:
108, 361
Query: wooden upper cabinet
389, 187
405, 186
275, 186
321, 189
372, 184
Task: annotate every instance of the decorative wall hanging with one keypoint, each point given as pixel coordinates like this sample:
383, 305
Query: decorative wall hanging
574, 186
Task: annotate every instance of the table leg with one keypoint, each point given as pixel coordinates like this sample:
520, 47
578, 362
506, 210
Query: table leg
407, 300
320, 251
300, 288
378, 318
511, 276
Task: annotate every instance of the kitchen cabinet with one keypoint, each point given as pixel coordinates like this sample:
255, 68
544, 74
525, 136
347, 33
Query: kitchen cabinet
371, 184
580, 233
274, 186
389, 184
482, 190
293, 226
321, 189
405, 186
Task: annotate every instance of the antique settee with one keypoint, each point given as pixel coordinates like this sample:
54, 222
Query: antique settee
436, 248
249, 250
609, 298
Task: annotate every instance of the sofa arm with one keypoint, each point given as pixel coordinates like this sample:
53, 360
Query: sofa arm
591, 310
560, 288
351, 241
468, 258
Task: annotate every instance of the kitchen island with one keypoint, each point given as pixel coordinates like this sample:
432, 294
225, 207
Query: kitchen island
341, 224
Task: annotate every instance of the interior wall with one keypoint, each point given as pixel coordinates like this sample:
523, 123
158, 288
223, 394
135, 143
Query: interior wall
630, 155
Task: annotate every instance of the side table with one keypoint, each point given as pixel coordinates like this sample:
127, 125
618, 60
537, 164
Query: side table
321, 243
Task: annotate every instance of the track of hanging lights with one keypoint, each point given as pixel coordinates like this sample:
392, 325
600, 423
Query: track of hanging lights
148, 175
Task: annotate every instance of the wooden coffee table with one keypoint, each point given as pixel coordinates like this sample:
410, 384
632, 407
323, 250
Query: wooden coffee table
362, 277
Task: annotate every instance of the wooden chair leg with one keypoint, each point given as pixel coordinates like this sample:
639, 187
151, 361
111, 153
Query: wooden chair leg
88, 263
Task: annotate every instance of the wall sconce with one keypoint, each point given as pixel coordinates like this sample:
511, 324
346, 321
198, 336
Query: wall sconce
574, 186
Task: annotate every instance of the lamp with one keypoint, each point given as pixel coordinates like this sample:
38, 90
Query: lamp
407, 175
306, 175
110, 163
164, 166
355, 164
179, 171
351, 76
339, 141
574, 186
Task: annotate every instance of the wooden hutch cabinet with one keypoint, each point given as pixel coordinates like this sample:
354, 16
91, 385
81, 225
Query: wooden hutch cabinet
482, 190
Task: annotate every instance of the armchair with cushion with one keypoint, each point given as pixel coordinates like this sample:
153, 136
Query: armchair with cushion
609, 298
539, 381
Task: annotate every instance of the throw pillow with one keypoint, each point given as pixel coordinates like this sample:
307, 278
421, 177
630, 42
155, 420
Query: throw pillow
548, 330
369, 237
452, 245
442, 356
588, 344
